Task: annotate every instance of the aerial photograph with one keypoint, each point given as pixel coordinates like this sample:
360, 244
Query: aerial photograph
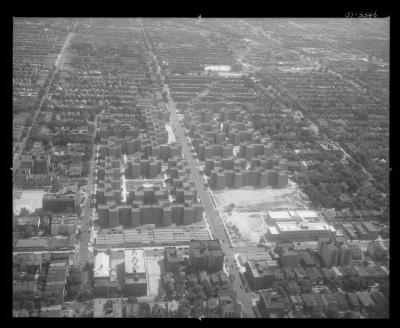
200, 167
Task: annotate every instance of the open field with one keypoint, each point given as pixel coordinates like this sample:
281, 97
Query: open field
249, 199
244, 210
30, 199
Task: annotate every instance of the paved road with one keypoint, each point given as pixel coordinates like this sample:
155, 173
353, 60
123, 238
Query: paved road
84, 254
217, 228
214, 220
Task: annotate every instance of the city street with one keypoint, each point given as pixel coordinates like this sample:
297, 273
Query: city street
84, 255
215, 222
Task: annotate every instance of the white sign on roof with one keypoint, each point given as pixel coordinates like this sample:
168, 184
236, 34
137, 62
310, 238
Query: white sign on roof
134, 261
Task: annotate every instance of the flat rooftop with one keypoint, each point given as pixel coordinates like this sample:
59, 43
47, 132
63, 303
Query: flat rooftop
218, 68
280, 215
292, 227
134, 261
273, 230
101, 265
307, 214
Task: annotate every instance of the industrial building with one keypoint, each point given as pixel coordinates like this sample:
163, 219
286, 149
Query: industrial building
298, 231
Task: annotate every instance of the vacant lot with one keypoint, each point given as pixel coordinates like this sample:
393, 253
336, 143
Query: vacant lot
30, 199
244, 209
252, 199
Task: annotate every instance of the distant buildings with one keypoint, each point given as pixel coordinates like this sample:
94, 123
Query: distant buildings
363, 230
378, 250
37, 164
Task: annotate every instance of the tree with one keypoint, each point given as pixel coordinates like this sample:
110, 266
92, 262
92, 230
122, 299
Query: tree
198, 308
208, 288
231, 277
351, 284
16, 304
305, 285
88, 266
348, 315
55, 186
384, 288
85, 295
169, 290
217, 291
74, 277
132, 300
332, 312
145, 309
380, 311
28, 231
28, 305
184, 309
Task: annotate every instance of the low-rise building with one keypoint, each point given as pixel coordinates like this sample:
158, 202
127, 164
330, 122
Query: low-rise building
172, 259
273, 305
108, 308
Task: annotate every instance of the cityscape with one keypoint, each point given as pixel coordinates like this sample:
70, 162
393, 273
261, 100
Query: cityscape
200, 168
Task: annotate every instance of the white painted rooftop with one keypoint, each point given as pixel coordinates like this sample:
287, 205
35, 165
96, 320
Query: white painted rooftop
279, 215
101, 265
222, 68
307, 214
134, 261
273, 230
306, 227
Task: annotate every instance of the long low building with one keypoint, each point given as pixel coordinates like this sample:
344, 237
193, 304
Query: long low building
150, 236
292, 216
298, 231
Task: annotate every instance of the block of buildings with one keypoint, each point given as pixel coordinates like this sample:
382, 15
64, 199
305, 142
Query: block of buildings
206, 255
